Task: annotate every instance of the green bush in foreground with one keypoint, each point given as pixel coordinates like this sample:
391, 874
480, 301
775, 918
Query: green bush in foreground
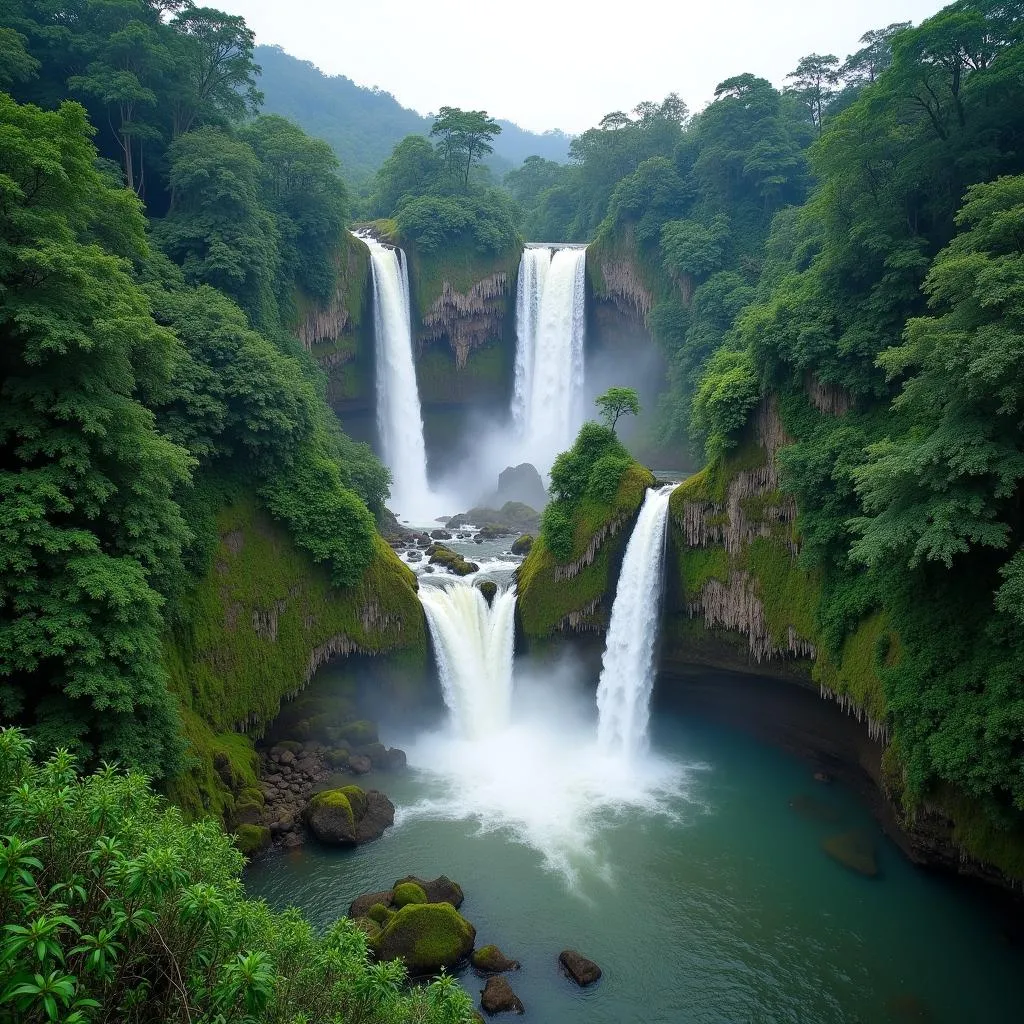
114, 909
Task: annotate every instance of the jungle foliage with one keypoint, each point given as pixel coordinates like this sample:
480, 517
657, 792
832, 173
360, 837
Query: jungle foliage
116, 909
148, 368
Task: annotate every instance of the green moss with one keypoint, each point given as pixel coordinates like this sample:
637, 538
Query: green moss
712, 482
251, 839
358, 733
984, 835
788, 593
380, 913
857, 672
356, 798
485, 377
248, 632
335, 799
409, 892
696, 566
426, 936
545, 601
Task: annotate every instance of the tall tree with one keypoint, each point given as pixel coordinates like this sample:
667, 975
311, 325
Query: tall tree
814, 82
465, 138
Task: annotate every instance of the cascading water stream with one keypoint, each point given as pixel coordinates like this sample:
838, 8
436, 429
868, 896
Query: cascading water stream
474, 645
399, 419
627, 673
547, 404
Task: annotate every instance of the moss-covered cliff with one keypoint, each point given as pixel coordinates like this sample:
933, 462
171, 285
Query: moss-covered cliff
576, 594
738, 597
339, 333
253, 632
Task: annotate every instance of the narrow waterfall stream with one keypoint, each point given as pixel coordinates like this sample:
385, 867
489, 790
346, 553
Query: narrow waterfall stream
399, 418
627, 675
473, 644
547, 404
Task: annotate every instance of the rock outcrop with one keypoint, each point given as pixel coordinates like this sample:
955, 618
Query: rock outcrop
467, 319
576, 966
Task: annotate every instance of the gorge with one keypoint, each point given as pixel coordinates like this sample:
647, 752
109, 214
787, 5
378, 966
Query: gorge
651, 594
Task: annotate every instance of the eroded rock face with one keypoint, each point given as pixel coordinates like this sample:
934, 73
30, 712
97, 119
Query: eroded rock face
497, 997
469, 319
349, 816
583, 971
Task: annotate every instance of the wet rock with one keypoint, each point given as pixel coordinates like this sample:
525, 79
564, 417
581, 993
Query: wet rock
408, 892
360, 906
395, 760
360, 764
414, 555
359, 733
427, 936
439, 890
252, 839
488, 588
522, 545
451, 560
583, 971
286, 757
491, 960
854, 850
497, 997
440, 535
349, 816
428, 568
376, 752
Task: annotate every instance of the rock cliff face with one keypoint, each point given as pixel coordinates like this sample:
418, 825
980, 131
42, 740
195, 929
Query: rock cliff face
738, 598
256, 629
467, 320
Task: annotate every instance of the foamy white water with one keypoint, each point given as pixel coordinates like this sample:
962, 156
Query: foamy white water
399, 418
547, 404
627, 673
474, 647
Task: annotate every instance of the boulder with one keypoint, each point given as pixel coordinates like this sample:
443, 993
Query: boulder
583, 971
488, 588
376, 752
440, 890
395, 760
491, 960
349, 816
360, 906
452, 561
521, 484
854, 850
414, 555
360, 764
497, 997
252, 839
440, 535
358, 733
523, 545
427, 936
408, 892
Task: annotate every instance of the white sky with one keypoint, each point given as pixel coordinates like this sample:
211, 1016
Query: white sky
563, 63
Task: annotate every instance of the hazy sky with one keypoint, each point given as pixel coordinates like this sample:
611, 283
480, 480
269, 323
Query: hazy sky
563, 63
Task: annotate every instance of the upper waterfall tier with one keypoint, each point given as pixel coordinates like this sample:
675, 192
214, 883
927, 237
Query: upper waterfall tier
627, 673
547, 405
399, 419
474, 644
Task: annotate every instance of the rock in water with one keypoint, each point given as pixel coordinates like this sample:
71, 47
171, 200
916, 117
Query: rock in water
521, 483
523, 545
497, 997
583, 971
854, 850
491, 960
441, 890
360, 906
427, 936
348, 816
488, 588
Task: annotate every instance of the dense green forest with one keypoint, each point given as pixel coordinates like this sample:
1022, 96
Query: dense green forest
363, 125
155, 238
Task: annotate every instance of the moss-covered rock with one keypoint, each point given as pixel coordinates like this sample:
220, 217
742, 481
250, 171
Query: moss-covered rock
408, 892
491, 960
427, 936
359, 733
381, 913
349, 816
252, 839
488, 588
522, 545
369, 927
438, 890
451, 560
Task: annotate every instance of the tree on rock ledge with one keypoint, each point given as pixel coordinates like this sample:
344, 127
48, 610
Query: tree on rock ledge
616, 402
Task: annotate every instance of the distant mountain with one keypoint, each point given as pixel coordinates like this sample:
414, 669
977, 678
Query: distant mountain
362, 125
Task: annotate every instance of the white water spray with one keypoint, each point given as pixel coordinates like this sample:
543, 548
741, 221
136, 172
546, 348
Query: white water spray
547, 405
474, 645
399, 419
627, 673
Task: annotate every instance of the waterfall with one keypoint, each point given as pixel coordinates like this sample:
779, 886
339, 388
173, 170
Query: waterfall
399, 420
547, 405
627, 671
474, 644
